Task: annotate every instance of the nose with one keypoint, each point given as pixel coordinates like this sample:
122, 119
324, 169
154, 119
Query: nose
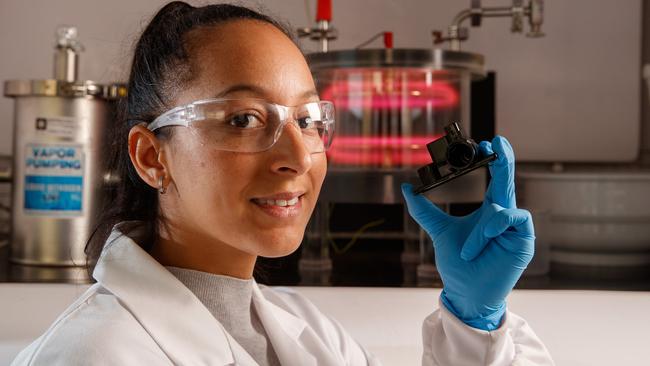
291, 155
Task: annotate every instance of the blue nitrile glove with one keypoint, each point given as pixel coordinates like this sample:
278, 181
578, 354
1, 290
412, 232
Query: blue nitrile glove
480, 256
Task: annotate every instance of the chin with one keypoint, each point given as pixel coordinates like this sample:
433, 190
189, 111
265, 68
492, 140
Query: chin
280, 246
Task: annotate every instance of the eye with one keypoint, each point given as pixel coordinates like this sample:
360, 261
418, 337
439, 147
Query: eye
310, 126
305, 122
245, 120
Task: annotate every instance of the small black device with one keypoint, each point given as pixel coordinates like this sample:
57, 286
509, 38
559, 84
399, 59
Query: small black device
453, 155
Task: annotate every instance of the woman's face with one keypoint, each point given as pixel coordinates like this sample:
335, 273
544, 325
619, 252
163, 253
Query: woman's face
222, 197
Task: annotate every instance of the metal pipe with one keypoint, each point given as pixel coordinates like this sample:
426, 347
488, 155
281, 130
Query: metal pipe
323, 25
66, 62
533, 11
66, 57
460, 17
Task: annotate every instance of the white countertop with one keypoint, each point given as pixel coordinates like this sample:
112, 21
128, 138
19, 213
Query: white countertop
578, 327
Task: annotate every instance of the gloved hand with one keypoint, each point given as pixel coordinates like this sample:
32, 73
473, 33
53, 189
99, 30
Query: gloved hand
480, 256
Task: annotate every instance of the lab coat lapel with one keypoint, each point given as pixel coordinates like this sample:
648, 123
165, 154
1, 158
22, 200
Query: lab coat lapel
183, 328
294, 342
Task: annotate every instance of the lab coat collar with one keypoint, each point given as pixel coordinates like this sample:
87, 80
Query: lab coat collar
284, 330
185, 330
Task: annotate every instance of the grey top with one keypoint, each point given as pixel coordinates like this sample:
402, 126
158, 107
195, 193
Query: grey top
230, 300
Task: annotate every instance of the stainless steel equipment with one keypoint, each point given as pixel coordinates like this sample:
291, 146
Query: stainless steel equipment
59, 136
599, 220
323, 31
390, 103
534, 11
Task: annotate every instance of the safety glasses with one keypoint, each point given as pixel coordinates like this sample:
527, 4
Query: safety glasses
251, 125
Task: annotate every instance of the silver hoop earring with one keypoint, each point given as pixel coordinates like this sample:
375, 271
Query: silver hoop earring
161, 187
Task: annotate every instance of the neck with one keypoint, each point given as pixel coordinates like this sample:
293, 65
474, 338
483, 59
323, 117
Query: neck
184, 249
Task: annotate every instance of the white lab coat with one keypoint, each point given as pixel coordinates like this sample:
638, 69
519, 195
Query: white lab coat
138, 313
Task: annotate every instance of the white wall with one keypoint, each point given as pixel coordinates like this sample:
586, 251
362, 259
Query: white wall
568, 90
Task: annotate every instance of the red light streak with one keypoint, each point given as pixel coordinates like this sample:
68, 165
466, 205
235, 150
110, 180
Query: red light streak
389, 151
414, 94
381, 89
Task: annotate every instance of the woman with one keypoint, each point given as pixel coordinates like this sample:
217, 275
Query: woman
218, 171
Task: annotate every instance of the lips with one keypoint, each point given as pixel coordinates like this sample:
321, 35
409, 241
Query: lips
281, 196
281, 205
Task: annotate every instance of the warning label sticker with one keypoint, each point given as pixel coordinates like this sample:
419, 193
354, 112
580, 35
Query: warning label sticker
54, 179
63, 128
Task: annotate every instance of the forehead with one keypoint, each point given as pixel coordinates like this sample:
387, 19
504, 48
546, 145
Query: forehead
247, 52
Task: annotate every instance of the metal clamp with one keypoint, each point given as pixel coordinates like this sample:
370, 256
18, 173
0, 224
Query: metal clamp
322, 33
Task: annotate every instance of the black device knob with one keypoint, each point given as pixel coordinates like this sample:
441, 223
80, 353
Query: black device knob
461, 154
452, 156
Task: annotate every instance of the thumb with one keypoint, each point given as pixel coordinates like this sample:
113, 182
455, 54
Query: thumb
424, 212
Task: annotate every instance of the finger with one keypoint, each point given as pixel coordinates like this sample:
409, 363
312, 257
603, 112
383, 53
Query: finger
494, 222
515, 220
485, 147
502, 185
476, 240
425, 213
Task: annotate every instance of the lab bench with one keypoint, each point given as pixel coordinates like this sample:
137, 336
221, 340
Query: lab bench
579, 328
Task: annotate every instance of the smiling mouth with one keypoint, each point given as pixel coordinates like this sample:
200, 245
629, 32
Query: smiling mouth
281, 206
279, 202
282, 199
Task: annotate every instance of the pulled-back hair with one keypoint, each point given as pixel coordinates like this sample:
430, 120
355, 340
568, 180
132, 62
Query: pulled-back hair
160, 68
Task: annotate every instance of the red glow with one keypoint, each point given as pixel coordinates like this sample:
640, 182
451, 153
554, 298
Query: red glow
411, 94
402, 142
389, 151
365, 91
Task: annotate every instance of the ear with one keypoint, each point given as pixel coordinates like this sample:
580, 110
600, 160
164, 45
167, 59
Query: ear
145, 151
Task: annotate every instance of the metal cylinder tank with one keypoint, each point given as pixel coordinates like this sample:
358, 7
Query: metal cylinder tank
389, 104
58, 173
392, 102
58, 167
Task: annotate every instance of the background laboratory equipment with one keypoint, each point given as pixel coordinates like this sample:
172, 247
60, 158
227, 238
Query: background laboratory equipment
59, 169
390, 103
557, 109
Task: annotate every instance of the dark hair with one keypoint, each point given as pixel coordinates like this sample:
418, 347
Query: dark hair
160, 67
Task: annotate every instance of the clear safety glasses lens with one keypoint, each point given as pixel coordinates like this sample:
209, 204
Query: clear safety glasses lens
252, 125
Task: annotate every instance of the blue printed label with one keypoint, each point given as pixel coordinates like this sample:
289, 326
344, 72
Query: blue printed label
54, 179
44, 193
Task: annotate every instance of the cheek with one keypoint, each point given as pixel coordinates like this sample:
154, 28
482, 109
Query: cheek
220, 178
209, 184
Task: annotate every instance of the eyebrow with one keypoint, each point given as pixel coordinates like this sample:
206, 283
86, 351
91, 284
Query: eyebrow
259, 91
